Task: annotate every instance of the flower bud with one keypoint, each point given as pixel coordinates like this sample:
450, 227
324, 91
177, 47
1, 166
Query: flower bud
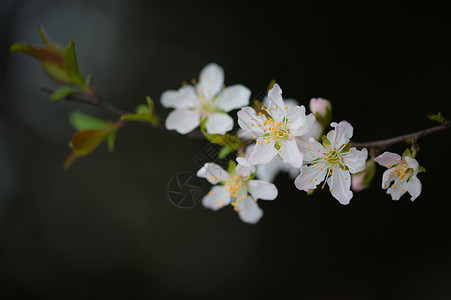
322, 109
319, 106
362, 180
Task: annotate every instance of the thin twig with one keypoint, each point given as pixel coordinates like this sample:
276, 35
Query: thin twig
96, 101
414, 137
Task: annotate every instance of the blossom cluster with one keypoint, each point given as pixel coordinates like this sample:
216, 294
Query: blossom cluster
279, 135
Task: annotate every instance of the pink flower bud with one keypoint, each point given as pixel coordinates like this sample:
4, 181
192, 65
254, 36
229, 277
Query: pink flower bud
362, 180
319, 107
357, 182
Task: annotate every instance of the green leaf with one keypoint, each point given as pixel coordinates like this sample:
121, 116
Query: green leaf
111, 140
27, 49
59, 64
232, 141
325, 120
45, 39
226, 150
370, 169
232, 167
88, 81
436, 117
142, 109
406, 153
409, 141
62, 93
257, 106
71, 67
421, 169
91, 133
81, 121
70, 159
84, 142
144, 113
271, 85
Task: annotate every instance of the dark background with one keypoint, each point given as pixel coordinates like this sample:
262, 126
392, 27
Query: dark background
106, 230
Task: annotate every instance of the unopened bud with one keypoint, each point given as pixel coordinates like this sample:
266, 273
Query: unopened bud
362, 180
320, 107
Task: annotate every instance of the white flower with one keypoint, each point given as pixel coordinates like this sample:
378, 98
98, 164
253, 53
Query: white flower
331, 162
275, 134
403, 172
238, 190
269, 171
207, 101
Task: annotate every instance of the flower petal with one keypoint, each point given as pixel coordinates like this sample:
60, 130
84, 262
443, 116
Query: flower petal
413, 164
388, 159
292, 172
244, 169
183, 121
245, 134
275, 96
185, 97
249, 211
355, 160
289, 103
311, 149
341, 134
233, 97
414, 187
216, 198
397, 190
249, 121
300, 123
290, 154
262, 190
263, 153
211, 79
310, 177
213, 173
276, 106
340, 185
218, 123
315, 131
387, 178
269, 171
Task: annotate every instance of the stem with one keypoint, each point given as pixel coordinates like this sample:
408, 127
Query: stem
93, 99
416, 136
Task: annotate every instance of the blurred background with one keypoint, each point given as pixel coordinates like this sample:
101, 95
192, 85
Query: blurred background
105, 229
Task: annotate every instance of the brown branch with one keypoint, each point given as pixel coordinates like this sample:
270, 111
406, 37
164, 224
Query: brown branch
415, 137
93, 99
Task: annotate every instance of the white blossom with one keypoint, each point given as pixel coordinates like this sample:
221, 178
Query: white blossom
209, 100
275, 134
238, 189
402, 172
331, 162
